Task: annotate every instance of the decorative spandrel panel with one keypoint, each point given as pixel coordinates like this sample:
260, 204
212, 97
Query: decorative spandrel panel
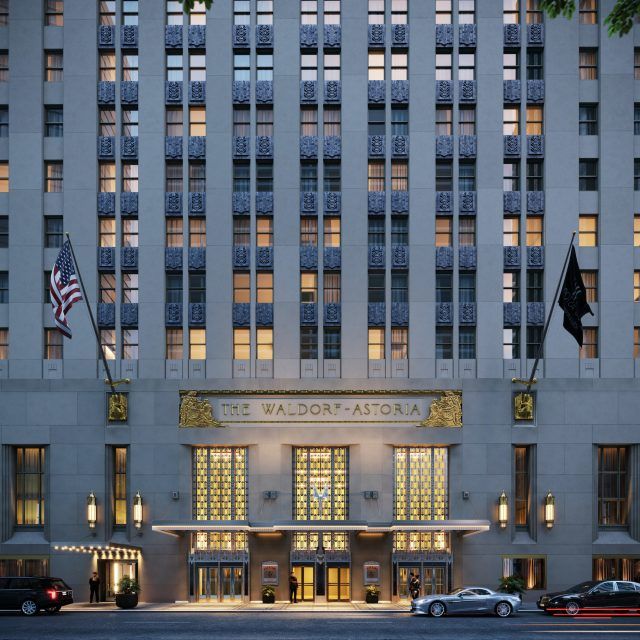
420, 483
220, 483
320, 483
414, 541
220, 541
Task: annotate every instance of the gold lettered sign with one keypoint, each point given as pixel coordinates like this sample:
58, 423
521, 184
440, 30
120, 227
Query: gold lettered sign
423, 408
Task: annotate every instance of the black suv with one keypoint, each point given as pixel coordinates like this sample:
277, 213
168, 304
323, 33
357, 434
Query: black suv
30, 595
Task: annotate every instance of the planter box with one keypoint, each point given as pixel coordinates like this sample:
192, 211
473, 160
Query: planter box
127, 600
370, 598
269, 599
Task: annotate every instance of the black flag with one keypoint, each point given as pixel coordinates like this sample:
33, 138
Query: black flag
573, 299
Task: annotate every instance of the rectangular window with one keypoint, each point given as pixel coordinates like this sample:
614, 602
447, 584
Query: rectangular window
130, 122
4, 344
444, 175
107, 289
53, 66
466, 66
53, 232
264, 177
264, 66
197, 121
241, 122
466, 11
444, 232
54, 13
332, 343
264, 231
522, 486
129, 177
399, 65
130, 12
197, 288
636, 286
467, 343
241, 67
30, 486
308, 12
590, 279
108, 343
376, 287
308, 121
511, 121
636, 63
613, 486
241, 231
511, 65
130, 67
322, 471
588, 125
4, 13
511, 11
220, 482
309, 66
399, 343
173, 288
420, 489
535, 175
444, 287
53, 122
241, 178
264, 344
399, 175
399, 287
531, 570
534, 12
197, 177
376, 11
636, 342
376, 343
588, 64
264, 122
130, 232
197, 344
511, 343
511, 286
332, 66
4, 232
636, 119
399, 121
444, 64
376, 232
615, 568
119, 486
331, 232
588, 230
535, 62
130, 344
332, 177
174, 121
4, 121
376, 65
636, 230
588, 175
308, 232
376, 125
264, 288
4, 287
467, 176
308, 287
130, 288
466, 120
443, 12
308, 343
331, 288
534, 231
534, 337
107, 65
197, 232
53, 177
198, 14
107, 126
174, 64
174, 344
444, 121
399, 230
535, 286
331, 11
376, 175
444, 343
466, 231
467, 287
107, 232
4, 177
197, 68
636, 174
511, 231
241, 344
52, 344
511, 175
173, 177
535, 121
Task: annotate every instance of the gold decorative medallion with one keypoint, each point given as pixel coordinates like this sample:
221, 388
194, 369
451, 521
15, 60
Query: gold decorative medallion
118, 406
445, 412
196, 413
523, 406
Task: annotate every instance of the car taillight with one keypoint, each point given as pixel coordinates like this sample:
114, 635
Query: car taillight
53, 594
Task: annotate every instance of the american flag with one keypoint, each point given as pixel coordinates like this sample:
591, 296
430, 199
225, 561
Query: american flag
64, 288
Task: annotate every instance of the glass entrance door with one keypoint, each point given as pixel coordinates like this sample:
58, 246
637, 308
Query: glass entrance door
434, 580
224, 583
208, 584
339, 584
305, 573
404, 576
232, 582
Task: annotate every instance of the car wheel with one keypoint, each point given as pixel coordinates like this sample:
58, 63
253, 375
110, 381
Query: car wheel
437, 609
29, 608
572, 608
503, 609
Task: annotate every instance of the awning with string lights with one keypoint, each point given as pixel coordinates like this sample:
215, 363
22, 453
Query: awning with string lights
105, 551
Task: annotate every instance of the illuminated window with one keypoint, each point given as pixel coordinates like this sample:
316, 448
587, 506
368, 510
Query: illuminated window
264, 344
332, 11
174, 12
130, 232
376, 11
331, 232
130, 67
399, 63
590, 279
613, 486
52, 344
530, 569
376, 65
511, 343
522, 486
588, 64
534, 231
174, 233
119, 486
197, 232
331, 540
399, 343
220, 483
220, 540
107, 291
444, 232
443, 11
308, 287
376, 175
399, 175
376, 343
511, 286
264, 287
320, 483
534, 12
421, 541
129, 178
107, 232
53, 177
4, 344
535, 121
241, 344
615, 568
108, 343
420, 483
198, 15
29, 489
107, 65
197, 121
589, 347
444, 121
174, 344
309, 232
588, 12
511, 11
511, 121
511, 231
197, 344
130, 122
241, 288
308, 11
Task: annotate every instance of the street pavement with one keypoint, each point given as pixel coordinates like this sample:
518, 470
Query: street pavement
301, 625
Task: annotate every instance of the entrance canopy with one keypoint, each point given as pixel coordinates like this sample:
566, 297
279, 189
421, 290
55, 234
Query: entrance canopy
464, 527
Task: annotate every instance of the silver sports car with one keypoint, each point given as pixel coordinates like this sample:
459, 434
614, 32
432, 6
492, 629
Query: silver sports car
467, 600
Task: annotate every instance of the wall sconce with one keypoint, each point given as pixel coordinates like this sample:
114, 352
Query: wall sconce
137, 511
549, 510
92, 510
503, 510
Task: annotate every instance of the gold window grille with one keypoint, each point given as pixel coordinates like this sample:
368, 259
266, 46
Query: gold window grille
220, 541
436, 541
220, 483
421, 491
320, 483
331, 540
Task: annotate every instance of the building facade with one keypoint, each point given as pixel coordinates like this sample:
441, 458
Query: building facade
347, 416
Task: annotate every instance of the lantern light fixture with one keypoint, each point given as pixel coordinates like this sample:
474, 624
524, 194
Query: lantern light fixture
92, 510
503, 510
549, 510
137, 511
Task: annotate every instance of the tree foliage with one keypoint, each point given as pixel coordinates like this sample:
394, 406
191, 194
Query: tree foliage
187, 5
619, 21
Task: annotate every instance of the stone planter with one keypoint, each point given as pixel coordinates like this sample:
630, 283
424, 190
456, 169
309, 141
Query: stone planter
127, 600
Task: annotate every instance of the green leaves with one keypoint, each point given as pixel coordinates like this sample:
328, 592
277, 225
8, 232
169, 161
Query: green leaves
619, 21
187, 5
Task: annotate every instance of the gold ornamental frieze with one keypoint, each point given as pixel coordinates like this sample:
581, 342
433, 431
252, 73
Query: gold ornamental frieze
421, 408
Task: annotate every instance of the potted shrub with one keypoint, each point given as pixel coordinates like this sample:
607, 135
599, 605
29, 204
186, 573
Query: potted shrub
373, 594
128, 590
268, 595
513, 585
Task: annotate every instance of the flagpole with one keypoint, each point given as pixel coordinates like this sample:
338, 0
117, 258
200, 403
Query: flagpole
553, 306
93, 322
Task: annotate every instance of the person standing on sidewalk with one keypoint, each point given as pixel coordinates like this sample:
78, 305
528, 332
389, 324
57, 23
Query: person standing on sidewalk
293, 588
94, 587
